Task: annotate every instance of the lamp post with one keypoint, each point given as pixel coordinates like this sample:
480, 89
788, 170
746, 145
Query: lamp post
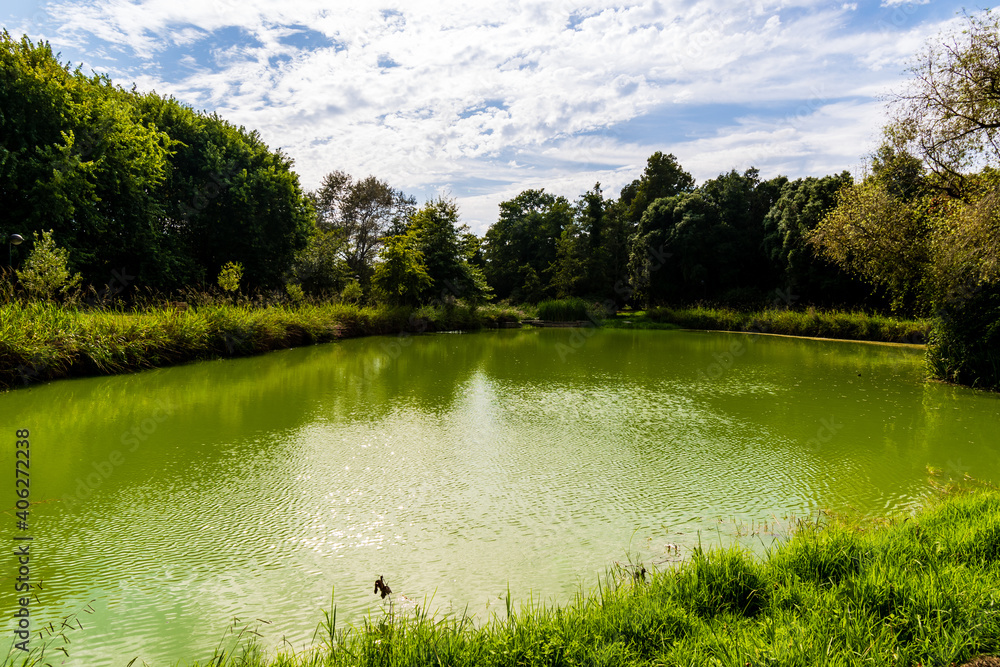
12, 240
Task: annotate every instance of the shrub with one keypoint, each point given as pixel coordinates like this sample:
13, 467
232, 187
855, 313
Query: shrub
45, 273
230, 276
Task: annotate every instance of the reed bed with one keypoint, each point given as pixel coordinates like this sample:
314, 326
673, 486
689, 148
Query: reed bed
42, 341
813, 323
564, 310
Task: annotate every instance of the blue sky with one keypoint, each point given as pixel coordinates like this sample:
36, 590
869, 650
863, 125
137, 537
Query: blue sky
481, 100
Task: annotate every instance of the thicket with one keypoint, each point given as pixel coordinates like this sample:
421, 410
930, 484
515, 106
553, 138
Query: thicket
139, 189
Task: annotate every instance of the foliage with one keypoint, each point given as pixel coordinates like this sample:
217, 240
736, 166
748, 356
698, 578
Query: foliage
604, 233
445, 249
949, 113
814, 323
230, 276
788, 225
680, 249
44, 341
743, 201
295, 293
365, 212
401, 277
965, 343
521, 246
568, 271
138, 185
352, 292
320, 267
227, 197
45, 273
663, 177
880, 237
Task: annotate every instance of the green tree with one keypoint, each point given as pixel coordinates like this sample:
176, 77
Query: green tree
320, 268
445, 247
794, 262
136, 184
230, 276
881, 238
227, 197
45, 274
568, 271
743, 201
365, 211
663, 177
675, 253
520, 247
401, 277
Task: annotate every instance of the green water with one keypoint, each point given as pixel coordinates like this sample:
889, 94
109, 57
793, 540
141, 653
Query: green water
169, 502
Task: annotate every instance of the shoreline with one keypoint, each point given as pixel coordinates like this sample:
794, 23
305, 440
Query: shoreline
43, 342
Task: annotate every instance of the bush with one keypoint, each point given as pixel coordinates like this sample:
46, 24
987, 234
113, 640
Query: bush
45, 273
965, 343
230, 276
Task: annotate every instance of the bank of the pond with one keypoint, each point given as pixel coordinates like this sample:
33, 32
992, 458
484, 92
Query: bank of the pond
916, 590
811, 323
40, 341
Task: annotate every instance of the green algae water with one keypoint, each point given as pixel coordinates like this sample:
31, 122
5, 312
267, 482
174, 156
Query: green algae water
169, 503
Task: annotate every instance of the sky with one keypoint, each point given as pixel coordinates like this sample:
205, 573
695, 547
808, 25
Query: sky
478, 101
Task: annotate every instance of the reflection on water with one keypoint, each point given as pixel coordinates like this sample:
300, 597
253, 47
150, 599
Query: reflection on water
174, 500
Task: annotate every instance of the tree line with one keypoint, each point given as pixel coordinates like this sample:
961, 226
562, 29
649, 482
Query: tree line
135, 182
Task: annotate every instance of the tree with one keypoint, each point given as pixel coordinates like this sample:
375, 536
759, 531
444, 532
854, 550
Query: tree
401, 277
794, 263
136, 184
880, 237
443, 243
520, 247
675, 255
366, 211
663, 177
743, 201
949, 113
569, 270
230, 276
45, 274
227, 197
319, 268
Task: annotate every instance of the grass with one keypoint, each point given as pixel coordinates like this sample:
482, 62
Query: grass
813, 323
908, 590
920, 589
564, 310
41, 341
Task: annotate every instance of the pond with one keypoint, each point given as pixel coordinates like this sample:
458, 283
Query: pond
458, 466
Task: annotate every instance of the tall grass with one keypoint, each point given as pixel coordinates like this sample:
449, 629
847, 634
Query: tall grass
814, 323
563, 310
41, 341
905, 590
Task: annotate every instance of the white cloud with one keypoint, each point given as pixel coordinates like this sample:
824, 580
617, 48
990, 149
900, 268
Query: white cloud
476, 87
